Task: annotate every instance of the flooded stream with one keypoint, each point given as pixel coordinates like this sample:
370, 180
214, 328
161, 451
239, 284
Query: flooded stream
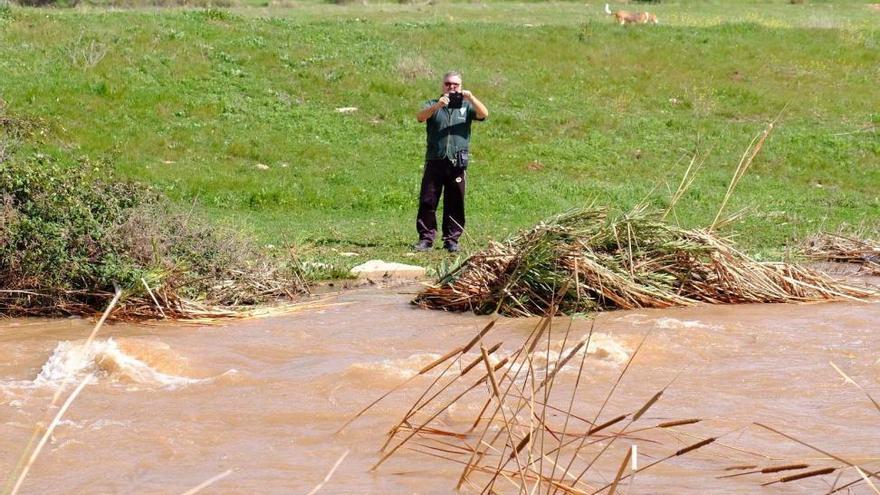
174, 405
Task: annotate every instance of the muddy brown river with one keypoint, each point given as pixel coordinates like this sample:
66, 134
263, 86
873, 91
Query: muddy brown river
174, 405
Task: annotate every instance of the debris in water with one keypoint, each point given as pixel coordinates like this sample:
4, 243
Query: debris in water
636, 260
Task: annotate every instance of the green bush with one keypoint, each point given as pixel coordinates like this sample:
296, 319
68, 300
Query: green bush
55, 224
70, 233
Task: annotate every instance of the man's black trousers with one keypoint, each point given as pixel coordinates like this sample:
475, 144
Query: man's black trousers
441, 178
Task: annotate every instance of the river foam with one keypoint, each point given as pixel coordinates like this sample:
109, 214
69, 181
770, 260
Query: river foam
128, 362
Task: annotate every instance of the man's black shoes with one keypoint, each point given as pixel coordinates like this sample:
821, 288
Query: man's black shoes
423, 245
450, 246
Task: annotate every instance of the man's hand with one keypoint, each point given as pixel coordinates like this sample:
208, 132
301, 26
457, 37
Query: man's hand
480, 109
426, 113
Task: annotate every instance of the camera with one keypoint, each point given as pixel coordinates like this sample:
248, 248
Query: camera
455, 100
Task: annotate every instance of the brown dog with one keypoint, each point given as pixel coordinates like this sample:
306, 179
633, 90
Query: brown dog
624, 17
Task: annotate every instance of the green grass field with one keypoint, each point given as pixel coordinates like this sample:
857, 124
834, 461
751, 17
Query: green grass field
583, 111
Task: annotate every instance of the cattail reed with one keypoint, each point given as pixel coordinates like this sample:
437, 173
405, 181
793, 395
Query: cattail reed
477, 360
740, 467
800, 476
653, 400
610, 422
522, 440
695, 446
680, 422
767, 470
786, 467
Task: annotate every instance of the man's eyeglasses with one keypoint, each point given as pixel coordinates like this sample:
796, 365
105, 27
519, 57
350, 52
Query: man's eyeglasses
453, 84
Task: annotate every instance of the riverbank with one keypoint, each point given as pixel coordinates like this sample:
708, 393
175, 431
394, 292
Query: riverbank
73, 237
233, 112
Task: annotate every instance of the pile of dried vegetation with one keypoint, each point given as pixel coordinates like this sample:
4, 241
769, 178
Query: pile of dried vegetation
70, 234
591, 261
841, 247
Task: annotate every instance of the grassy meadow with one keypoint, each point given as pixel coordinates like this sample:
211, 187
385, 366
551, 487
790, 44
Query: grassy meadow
233, 112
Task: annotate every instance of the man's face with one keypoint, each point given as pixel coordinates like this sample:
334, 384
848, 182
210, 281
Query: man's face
452, 84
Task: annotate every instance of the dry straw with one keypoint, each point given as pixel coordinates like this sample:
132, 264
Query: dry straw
849, 471
744, 163
329, 473
27, 461
208, 482
48, 433
840, 247
864, 475
634, 260
526, 437
234, 293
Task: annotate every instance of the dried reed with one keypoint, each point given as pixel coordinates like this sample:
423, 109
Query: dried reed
690, 174
744, 163
329, 474
437, 362
801, 476
633, 261
230, 293
842, 247
164, 302
853, 382
770, 469
526, 437
208, 482
23, 467
865, 475
42, 443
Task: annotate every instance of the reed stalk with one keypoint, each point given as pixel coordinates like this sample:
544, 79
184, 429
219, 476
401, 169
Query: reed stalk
850, 380
329, 474
208, 482
746, 160
623, 464
57, 395
42, 443
528, 443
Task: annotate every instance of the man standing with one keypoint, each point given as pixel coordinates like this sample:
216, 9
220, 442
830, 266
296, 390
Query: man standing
446, 158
